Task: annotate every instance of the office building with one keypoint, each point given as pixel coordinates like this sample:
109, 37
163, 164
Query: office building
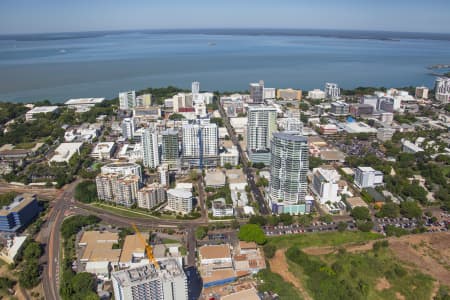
170, 149
316, 94
128, 128
229, 156
332, 91
421, 92
370, 100
127, 100
325, 184
145, 114
387, 118
168, 282
442, 90
387, 104
200, 144
385, 134
366, 177
269, 93
151, 196
289, 94
262, 122
30, 115
18, 213
339, 108
83, 104
65, 151
257, 92
410, 147
292, 125
179, 200
288, 170
143, 101
150, 147
358, 110
104, 150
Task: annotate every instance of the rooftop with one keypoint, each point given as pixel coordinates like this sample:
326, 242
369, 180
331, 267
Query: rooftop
250, 294
290, 137
18, 204
132, 244
215, 251
179, 193
98, 246
42, 109
356, 201
215, 178
169, 269
84, 101
65, 151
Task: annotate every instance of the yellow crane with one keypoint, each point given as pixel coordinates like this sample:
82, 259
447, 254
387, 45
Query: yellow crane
148, 248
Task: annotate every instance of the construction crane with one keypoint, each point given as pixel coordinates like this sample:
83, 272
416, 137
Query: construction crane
148, 248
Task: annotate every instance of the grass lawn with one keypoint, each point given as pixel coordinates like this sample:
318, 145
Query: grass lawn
124, 211
358, 275
25, 146
273, 282
322, 239
170, 241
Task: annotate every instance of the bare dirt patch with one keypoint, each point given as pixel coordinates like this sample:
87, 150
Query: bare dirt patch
279, 265
399, 296
382, 284
429, 252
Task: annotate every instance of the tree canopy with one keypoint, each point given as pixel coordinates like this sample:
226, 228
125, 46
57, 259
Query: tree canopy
252, 233
360, 213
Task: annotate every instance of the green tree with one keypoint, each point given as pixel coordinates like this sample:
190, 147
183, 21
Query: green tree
269, 251
326, 218
364, 226
176, 117
86, 191
360, 213
29, 277
410, 209
389, 210
260, 220
32, 251
342, 226
252, 233
201, 232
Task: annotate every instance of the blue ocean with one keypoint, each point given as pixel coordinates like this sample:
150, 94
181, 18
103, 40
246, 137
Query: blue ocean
100, 64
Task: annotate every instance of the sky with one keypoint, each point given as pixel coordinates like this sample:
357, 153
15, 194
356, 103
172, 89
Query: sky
36, 16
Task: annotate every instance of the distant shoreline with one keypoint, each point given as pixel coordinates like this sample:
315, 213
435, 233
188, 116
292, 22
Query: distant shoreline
341, 34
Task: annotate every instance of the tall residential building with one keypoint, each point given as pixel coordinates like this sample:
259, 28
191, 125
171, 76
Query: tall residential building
127, 100
143, 100
288, 169
325, 184
269, 93
152, 195
168, 282
200, 144
151, 150
332, 90
421, 92
118, 189
181, 100
128, 128
442, 90
179, 200
366, 177
262, 122
289, 94
170, 152
119, 183
257, 92
195, 87
164, 175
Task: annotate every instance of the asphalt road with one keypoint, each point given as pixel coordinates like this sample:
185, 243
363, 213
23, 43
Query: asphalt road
263, 209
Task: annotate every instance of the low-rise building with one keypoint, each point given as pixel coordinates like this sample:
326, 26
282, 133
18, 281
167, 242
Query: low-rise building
97, 254
179, 200
216, 265
355, 202
65, 151
104, 150
325, 184
366, 177
236, 179
221, 209
83, 104
30, 115
289, 94
248, 258
215, 179
410, 147
385, 134
339, 108
229, 156
133, 250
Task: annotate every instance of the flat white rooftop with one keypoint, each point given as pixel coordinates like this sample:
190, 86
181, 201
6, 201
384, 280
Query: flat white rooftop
42, 109
84, 101
65, 151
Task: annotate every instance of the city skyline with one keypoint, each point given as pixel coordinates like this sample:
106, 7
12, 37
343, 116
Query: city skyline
175, 14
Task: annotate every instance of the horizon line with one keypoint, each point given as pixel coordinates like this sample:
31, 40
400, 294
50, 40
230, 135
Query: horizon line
222, 28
